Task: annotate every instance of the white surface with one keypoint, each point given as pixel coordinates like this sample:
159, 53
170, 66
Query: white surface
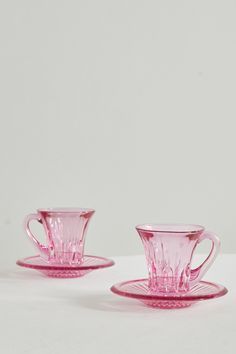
124, 106
58, 316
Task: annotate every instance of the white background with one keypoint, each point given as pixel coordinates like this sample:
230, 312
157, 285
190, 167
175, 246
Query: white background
58, 316
124, 106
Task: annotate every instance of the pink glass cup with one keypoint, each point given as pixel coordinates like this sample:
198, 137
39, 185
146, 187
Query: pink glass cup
65, 233
169, 250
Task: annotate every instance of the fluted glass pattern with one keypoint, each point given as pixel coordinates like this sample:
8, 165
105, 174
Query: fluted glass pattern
66, 235
169, 256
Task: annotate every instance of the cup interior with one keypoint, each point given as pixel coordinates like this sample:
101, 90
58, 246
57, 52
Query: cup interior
79, 211
171, 228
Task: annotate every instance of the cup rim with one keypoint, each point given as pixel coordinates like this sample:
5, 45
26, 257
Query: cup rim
65, 210
171, 228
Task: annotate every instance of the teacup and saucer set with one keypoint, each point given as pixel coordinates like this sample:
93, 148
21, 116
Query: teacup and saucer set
63, 255
169, 249
171, 282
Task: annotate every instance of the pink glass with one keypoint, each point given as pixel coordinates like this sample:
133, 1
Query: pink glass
169, 250
139, 289
65, 233
88, 264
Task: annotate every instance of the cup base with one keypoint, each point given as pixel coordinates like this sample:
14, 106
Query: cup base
168, 286
65, 258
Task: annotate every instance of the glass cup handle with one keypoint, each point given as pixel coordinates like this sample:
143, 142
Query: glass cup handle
198, 273
43, 249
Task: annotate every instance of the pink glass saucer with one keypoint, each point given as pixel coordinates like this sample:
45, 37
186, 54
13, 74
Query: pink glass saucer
88, 264
138, 289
